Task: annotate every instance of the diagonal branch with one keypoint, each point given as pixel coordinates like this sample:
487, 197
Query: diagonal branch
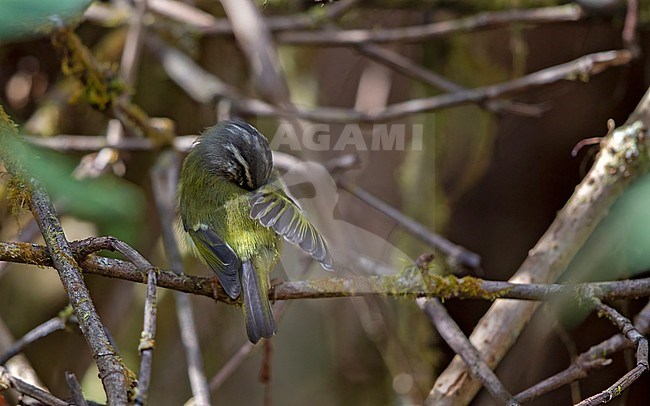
452, 334
622, 158
111, 370
204, 87
9, 381
456, 253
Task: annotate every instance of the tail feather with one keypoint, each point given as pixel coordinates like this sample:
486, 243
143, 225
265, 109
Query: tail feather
260, 322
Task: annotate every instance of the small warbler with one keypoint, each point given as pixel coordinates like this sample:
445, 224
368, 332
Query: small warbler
236, 210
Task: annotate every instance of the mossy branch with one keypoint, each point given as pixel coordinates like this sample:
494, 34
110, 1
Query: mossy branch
409, 283
103, 88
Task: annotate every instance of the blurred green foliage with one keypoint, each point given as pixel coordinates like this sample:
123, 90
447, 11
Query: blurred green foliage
21, 19
110, 202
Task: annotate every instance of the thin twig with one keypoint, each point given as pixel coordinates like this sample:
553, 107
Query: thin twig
636, 338
147, 339
255, 41
481, 21
204, 87
9, 381
597, 357
231, 365
111, 370
164, 181
238, 357
75, 389
411, 69
454, 337
71, 143
53, 325
133, 44
456, 253
205, 23
630, 38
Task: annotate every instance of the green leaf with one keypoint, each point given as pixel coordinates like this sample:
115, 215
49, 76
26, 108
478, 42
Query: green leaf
22, 19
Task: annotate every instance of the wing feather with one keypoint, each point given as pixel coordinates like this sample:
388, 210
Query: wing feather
220, 258
271, 206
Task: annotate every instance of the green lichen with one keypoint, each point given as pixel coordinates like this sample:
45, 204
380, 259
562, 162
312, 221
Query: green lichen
331, 285
17, 197
101, 83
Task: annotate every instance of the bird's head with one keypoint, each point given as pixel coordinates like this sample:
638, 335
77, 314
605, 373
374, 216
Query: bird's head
236, 151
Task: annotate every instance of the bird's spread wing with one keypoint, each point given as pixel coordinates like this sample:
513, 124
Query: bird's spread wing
220, 257
273, 208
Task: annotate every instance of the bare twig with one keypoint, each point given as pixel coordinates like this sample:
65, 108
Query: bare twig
147, 339
19, 366
630, 38
577, 370
133, 44
70, 143
596, 357
75, 389
205, 23
231, 365
255, 41
205, 87
456, 253
636, 338
452, 334
411, 69
111, 370
9, 381
420, 33
238, 357
54, 324
164, 180
617, 164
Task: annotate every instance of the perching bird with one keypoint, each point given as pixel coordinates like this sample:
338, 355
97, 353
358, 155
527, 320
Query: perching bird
235, 209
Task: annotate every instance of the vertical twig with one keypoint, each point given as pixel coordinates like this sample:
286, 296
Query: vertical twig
629, 29
147, 339
164, 180
75, 389
254, 38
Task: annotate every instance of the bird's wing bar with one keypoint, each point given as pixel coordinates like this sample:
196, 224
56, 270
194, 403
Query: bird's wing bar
274, 209
220, 257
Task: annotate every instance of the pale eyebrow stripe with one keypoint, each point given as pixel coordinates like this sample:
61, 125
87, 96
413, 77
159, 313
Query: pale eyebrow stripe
239, 158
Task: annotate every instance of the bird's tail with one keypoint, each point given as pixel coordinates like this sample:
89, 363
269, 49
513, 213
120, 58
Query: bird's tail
257, 308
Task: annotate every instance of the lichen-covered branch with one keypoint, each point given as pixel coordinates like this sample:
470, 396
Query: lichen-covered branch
113, 373
407, 283
103, 88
